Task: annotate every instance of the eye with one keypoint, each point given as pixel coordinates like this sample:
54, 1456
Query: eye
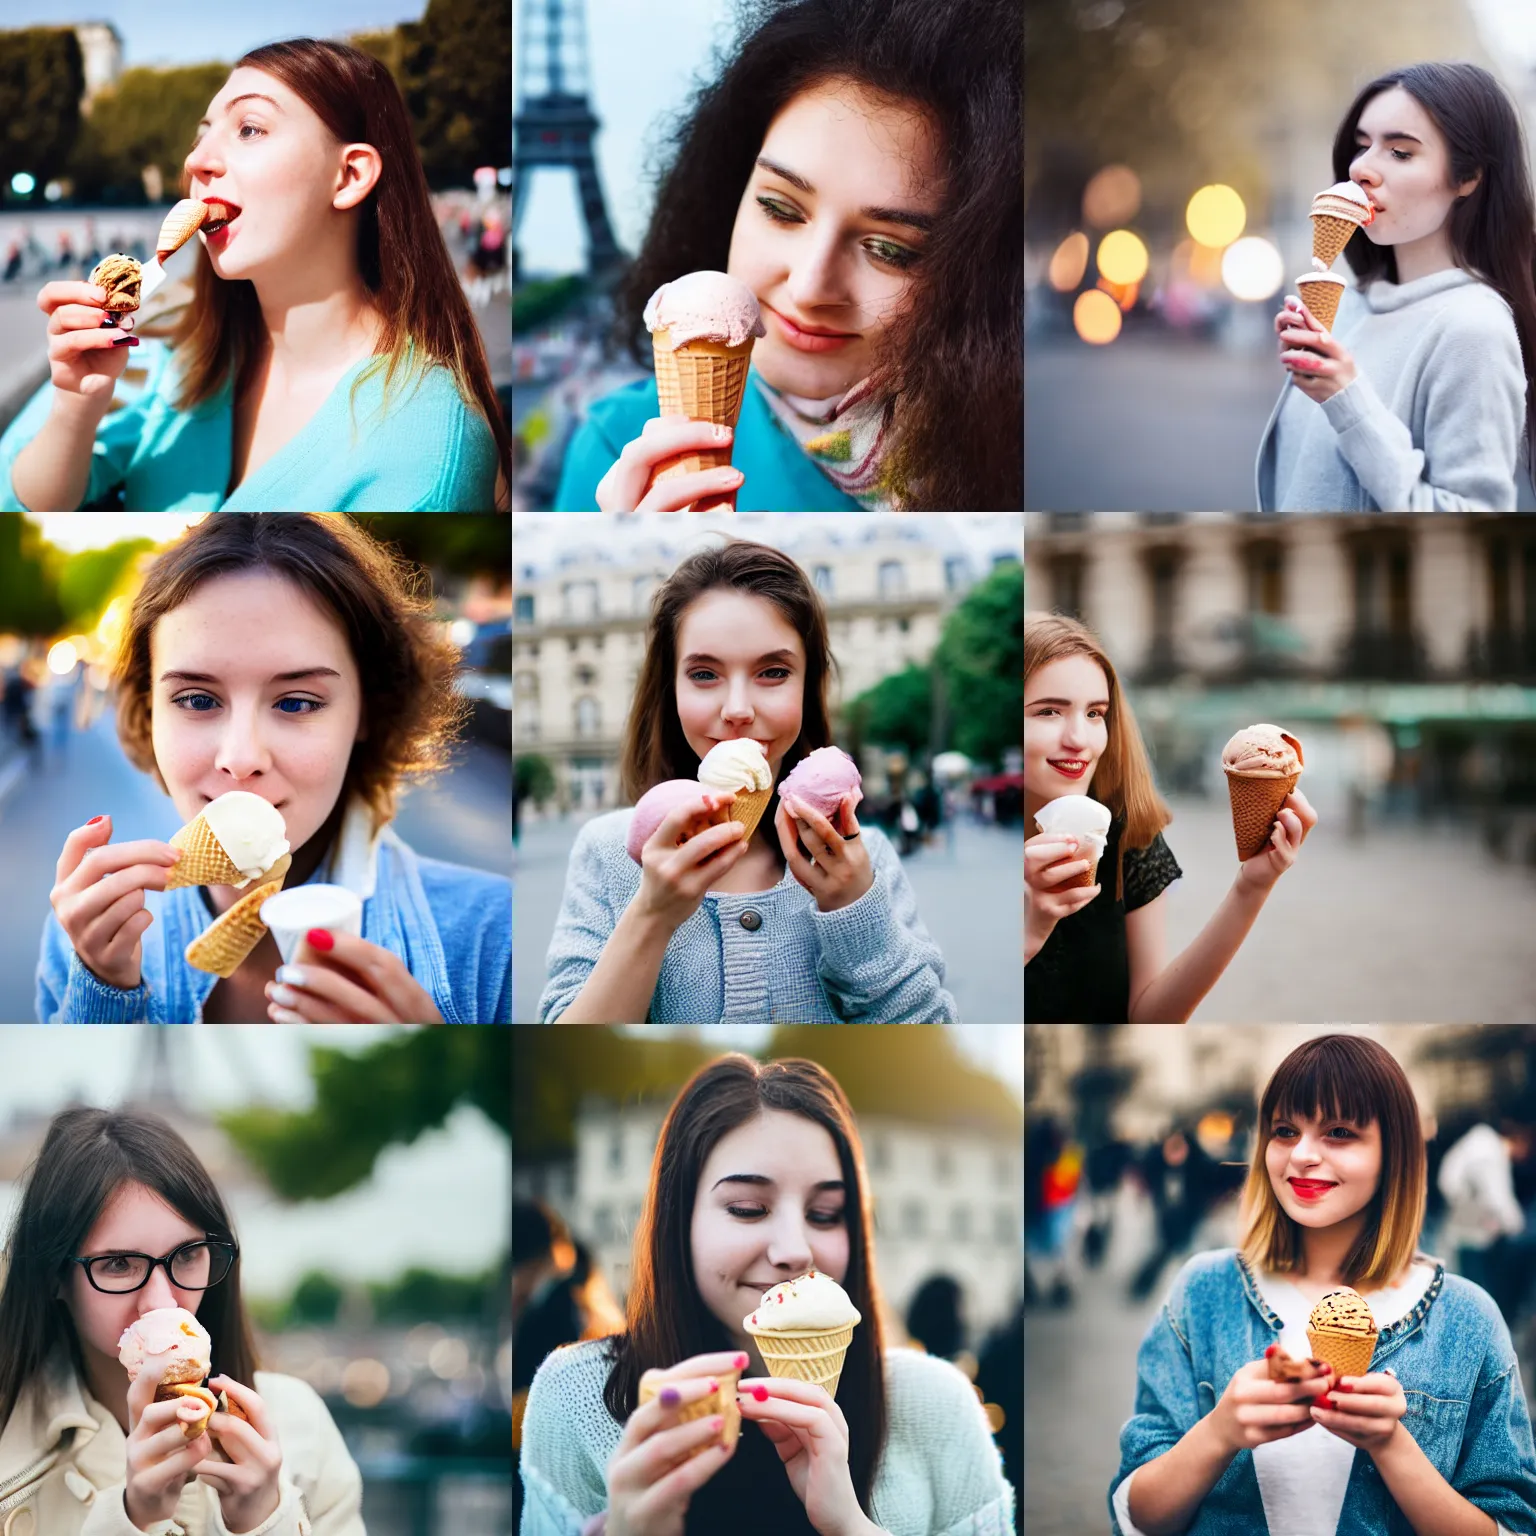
699, 672
783, 670
751, 1213
1401, 154
889, 254
188, 703
254, 129
780, 213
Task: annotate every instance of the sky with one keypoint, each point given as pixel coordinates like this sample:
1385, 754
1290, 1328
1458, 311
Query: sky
74, 531
1508, 28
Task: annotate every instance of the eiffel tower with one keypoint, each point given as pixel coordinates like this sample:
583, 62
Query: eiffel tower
554, 123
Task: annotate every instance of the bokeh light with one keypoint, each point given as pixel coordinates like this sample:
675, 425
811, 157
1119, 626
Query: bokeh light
1216, 216
365, 1383
1112, 196
1096, 317
1069, 262
1252, 269
1122, 257
1199, 263
62, 658
1124, 294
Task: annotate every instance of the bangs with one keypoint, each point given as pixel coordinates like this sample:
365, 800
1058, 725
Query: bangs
1321, 1084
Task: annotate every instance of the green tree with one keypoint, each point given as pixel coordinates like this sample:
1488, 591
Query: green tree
316, 1300
89, 578
427, 1293
896, 712
42, 78
981, 656
534, 777
29, 566
457, 66
459, 546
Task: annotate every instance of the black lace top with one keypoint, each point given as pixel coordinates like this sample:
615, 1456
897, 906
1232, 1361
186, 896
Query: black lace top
1082, 974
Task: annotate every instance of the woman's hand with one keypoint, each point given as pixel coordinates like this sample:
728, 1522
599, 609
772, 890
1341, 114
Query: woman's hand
1255, 1410
811, 1436
98, 897
1364, 1410
841, 872
627, 486
347, 981
1318, 378
650, 1483
247, 1483
161, 1460
674, 878
1296, 819
1045, 902
82, 358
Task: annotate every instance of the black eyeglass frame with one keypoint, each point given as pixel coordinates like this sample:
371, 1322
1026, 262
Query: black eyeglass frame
165, 1261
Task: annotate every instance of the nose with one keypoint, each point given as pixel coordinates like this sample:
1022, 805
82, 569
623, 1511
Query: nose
241, 751
815, 280
1074, 733
789, 1246
157, 1291
205, 162
738, 702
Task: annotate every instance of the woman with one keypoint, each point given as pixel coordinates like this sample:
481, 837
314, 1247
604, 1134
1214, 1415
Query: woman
758, 1177
1097, 954
328, 359
291, 657
1425, 383
1334, 1197
119, 1218
728, 927
856, 165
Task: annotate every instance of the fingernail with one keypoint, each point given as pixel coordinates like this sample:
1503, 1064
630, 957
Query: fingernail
717, 1424
671, 1396
741, 1362
722, 434
714, 1386
1271, 1352
285, 997
293, 975
729, 477
320, 939
126, 341
94, 819
760, 1393
1321, 1401
283, 1016
1344, 1386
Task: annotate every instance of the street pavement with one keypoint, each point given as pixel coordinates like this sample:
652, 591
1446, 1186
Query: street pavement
970, 896
1411, 924
463, 817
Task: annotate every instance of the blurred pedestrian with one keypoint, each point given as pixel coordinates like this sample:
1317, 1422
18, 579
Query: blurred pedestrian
758, 1181
1180, 1179
1080, 940
1482, 1214
544, 1312
16, 706
1052, 1182
1000, 1379
12, 261
1237, 1427
934, 1319
119, 1219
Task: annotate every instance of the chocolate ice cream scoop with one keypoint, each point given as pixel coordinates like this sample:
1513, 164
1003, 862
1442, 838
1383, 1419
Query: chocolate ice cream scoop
122, 277
1343, 1311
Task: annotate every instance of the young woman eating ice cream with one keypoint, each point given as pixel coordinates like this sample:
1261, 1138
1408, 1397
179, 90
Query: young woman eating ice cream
1433, 1437
328, 359
1098, 954
1419, 399
758, 1179
119, 1220
857, 166
809, 919
287, 657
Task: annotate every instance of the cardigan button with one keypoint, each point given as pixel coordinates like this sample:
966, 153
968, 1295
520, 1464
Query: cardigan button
751, 920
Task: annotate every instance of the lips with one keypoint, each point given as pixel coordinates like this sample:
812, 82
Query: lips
1069, 767
220, 212
807, 339
1310, 1189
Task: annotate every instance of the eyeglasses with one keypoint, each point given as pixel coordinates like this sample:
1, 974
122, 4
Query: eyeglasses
192, 1267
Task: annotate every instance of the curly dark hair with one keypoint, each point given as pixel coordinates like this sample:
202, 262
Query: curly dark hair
411, 712
954, 358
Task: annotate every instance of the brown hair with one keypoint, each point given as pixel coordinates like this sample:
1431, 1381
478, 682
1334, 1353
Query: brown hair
87, 1156
666, 1318
411, 711
655, 747
1123, 779
1343, 1077
404, 264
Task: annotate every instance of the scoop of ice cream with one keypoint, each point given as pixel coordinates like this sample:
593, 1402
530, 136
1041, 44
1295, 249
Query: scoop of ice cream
813, 1301
122, 277
705, 306
1079, 816
821, 779
1262, 751
249, 829
160, 1339
656, 804
739, 765
1342, 1311
1343, 200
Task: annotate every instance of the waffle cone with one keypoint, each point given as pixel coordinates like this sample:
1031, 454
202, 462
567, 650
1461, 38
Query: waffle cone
806, 1356
722, 1402
748, 807
1330, 235
230, 937
1255, 804
203, 860
703, 380
1080, 882
181, 223
1348, 1353
1322, 299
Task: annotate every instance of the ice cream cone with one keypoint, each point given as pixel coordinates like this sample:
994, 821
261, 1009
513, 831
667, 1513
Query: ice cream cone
1083, 881
1348, 1353
1322, 298
748, 807
224, 944
168, 1392
203, 859
805, 1354
1330, 236
704, 380
1256, 801
181, 223
722, 1401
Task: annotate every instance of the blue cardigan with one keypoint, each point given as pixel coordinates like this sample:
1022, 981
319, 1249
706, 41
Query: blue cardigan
779, 476
432, 453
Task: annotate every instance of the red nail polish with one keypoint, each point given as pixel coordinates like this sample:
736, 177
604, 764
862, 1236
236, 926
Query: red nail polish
1344, 1387
1321, 1401
1272, 1351
320, 939
741, 1362
94, 819
760, 1393
714, 1386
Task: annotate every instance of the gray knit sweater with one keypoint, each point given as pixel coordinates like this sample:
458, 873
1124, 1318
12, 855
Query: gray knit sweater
1432, 423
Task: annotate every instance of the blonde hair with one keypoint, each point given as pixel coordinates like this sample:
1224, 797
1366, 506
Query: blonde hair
1123, 778
1344, 1077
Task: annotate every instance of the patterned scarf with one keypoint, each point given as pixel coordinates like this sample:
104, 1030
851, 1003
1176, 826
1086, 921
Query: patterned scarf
847, 438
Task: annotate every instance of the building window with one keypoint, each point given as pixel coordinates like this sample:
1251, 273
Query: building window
1066, 522
1382, 642
578, 601
892, 578
1067, 572
528, 722
588, 717
912, 1220
904, 625
960, 1224
616, 1150
1004, 1228
525, 685
1266, 577
943, 1165
640, 590
1162, 566
522, 608
821, 578
955, 568
585, 676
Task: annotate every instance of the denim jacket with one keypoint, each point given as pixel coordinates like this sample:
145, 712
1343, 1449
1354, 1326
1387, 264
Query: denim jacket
1452, 1354
451, 925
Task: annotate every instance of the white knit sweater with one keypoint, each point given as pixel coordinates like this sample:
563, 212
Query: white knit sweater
940, 1475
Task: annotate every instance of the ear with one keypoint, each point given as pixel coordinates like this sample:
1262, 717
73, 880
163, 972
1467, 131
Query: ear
361, 167
1468, 187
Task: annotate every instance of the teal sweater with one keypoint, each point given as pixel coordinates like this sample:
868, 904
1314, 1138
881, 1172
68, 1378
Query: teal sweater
778, 475
433, 452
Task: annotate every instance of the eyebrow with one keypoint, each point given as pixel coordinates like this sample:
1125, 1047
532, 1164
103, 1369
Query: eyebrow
1092, 703
229, 106
278, 677
1387, 138
781, 655
908, 216
764, 1180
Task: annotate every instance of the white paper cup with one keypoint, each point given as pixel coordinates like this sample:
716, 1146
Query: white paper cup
291, 914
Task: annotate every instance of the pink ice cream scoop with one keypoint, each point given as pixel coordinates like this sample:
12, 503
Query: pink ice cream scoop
655, 806
705, 306
821, 779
